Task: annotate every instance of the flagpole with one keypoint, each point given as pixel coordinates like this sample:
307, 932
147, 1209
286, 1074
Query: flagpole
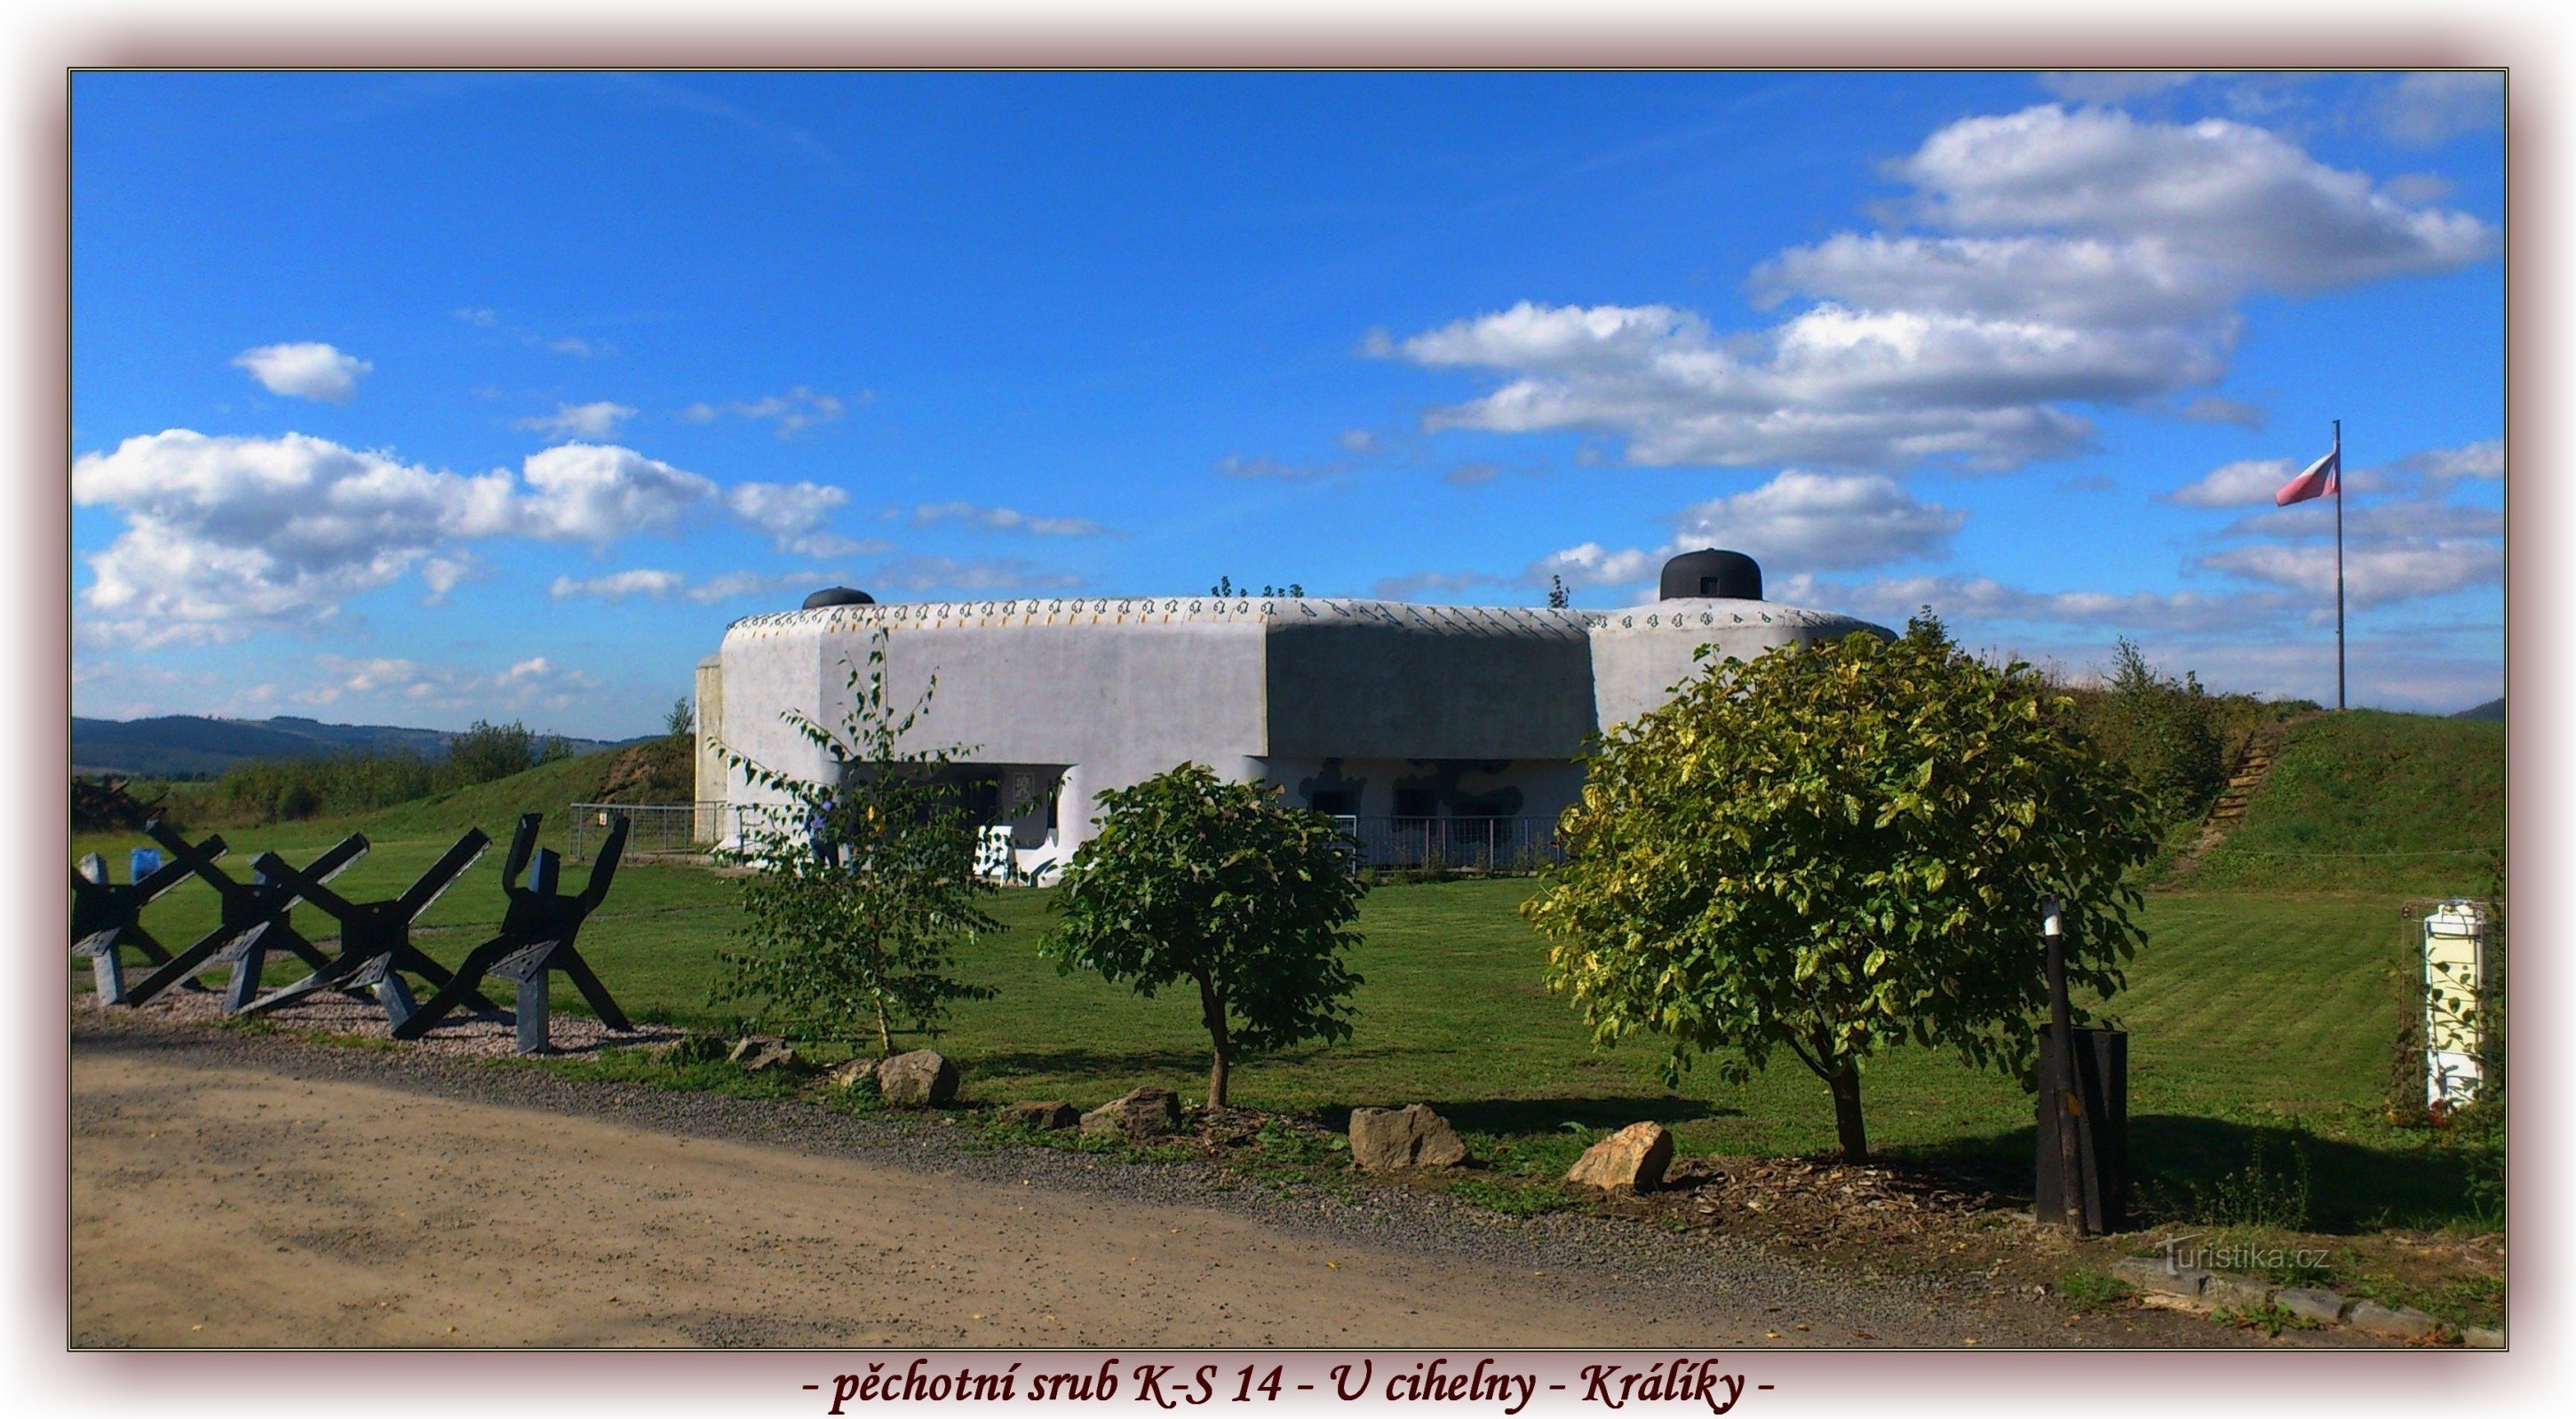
2338, 487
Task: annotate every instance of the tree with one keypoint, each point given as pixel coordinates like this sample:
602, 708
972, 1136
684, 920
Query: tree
1223, 886
1558, 598
682, 719
862, 885
2165, 730
488, 751
1835, 848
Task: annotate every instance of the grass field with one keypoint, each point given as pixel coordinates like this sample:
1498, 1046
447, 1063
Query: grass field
2262, 1013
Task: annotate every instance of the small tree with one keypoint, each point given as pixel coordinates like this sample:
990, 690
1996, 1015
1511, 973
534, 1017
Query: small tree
861, 885
1221, 885
1835, 848
2165, 730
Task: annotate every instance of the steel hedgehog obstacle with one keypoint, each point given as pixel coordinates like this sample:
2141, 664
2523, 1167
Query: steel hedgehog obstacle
374, 952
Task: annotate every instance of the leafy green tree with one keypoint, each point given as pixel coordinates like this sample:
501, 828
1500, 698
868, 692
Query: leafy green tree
1832, 849
863, 884
2166, 731
1220, 885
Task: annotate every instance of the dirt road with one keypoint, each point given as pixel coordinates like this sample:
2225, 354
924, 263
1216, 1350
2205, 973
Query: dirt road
233, 1191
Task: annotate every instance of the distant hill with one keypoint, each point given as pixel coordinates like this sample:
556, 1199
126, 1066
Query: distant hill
189, 745
2492, 709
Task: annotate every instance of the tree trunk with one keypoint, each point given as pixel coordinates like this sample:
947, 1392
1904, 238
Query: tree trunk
885, 1032
1845, 1082
1212, 1008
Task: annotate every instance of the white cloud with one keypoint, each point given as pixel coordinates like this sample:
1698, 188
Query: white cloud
479, 315
2074, 258
593, 421
1592, 564
1798, 523
785, 509
306, 369
617, 586
1002, 519
799, 408
2375, 574
1822, 521
2427, 110
226, 536
1361, 440
444, 574
597, 493
2483, 460
2248, 482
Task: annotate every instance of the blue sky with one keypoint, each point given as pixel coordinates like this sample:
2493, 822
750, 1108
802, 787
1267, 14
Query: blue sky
427, 398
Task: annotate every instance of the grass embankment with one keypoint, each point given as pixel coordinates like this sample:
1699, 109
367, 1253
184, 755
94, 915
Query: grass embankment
2262, 1013
2369, 801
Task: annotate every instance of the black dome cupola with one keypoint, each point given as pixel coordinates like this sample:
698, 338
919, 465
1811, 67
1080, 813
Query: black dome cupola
841, 596
1712, 573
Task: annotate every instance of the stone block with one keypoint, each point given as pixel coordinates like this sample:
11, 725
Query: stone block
1634, 1158
2308, 1303
2236, 1293
2399, 1322
1138, 1114
922, 1079
2151, 1275
1384, 1140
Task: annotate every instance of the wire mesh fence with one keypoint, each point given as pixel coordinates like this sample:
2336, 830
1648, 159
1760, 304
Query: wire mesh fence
658, 829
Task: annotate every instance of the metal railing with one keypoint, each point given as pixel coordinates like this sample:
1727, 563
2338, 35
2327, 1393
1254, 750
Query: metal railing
657, 828
1460, 844
1454, 844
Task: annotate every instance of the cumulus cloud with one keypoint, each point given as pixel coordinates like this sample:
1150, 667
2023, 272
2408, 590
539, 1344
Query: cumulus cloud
1002, 519
798, 409
597, 493
306, 369
1799, 522
1592, 564
444, 574
225, 536
1361, 440
2068, 258
593, 421
1822, 521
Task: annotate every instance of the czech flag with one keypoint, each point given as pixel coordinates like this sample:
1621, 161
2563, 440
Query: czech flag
2321, 478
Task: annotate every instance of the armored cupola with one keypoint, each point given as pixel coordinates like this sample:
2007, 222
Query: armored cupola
1713, 574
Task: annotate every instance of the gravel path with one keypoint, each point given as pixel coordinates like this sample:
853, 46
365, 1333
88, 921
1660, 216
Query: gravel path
231, 1188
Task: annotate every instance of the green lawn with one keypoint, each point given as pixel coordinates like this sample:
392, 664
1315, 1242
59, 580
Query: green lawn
2252, 1015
